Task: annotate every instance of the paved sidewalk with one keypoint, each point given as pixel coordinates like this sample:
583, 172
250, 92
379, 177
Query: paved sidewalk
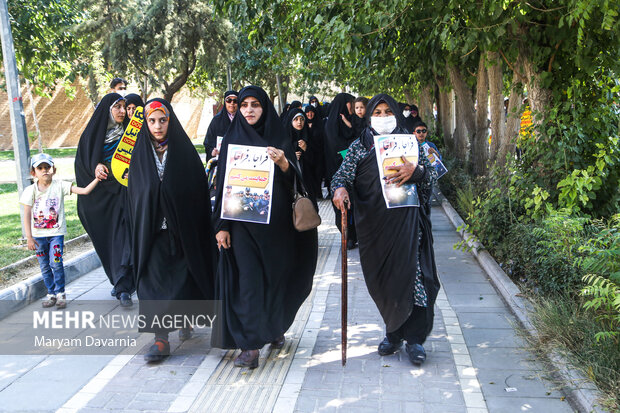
476, 361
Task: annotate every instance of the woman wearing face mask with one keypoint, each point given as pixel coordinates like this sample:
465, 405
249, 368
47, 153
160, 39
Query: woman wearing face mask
340, 134
172, 238
396, 245
359, 119
103, 212
265, 270
306, 154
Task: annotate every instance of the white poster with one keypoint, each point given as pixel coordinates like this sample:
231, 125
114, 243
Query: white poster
389, 150
435, 161
248, 184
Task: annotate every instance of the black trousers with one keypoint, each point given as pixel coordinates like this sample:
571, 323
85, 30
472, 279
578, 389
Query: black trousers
416, 328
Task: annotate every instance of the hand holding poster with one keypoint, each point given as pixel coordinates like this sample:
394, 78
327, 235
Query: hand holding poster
435, 161
248, 184
389, 150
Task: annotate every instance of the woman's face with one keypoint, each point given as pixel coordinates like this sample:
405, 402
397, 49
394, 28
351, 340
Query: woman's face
251, 109
350, 108
310, 114
382, 110
118, 111
131, 108
158, 125
360, 109
231, 104
298, 122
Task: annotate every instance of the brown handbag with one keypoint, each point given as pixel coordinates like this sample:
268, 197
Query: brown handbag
305, 216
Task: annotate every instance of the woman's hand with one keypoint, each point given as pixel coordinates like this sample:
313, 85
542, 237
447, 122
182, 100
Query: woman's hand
302, 145
101, 172
341, 199
346, 122
403, 172
215, 152
277, 156
298, 154
223, 239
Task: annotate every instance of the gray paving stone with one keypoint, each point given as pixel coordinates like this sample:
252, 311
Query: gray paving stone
529, 404
487, 320
528, 383
485, 338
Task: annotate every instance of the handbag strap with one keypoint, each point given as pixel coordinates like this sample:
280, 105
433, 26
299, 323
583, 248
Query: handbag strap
297, 176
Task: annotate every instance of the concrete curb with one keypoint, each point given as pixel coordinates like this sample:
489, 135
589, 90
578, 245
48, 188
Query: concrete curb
580, 391
25, 292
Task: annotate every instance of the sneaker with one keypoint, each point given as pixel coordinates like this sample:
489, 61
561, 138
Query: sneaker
158, 351
386, 347
61, 301
50, 301
416, 353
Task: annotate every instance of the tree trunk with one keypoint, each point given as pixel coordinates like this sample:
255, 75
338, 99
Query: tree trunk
479, 149
464, 112
425, 108
539, 97
498, 115
513, 122
444, 114
34, 116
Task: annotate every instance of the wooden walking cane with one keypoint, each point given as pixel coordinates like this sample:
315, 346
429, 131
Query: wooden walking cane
344, 300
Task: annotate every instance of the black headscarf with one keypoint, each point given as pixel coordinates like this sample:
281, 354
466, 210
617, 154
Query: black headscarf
295, 134
339, 135
135, 99
267, 273
182, 197
401, 126
295, 104
415, 119
218, 126
102, 212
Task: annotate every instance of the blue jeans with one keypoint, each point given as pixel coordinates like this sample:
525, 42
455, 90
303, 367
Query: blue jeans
49, 253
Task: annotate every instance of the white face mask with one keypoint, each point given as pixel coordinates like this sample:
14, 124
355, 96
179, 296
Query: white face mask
383, 124
315, 104
406, 113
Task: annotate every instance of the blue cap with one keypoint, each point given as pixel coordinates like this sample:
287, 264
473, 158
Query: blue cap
40, 158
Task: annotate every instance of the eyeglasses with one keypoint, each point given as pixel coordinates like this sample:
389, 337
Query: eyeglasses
229, 100
420, 131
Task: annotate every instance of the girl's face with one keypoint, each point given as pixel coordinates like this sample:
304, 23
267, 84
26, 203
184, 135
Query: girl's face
360, 109
299, 122
251, 109
118, 111
382, 110
131, 108
310, 115
158, 125
44, 172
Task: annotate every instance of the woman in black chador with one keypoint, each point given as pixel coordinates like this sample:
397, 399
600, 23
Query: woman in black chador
220, 123
316, 136
103, 212
340, 134
306, 152
172, 239
396, 245
265, 270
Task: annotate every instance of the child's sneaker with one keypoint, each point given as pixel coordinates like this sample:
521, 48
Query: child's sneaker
61, 301
50, 301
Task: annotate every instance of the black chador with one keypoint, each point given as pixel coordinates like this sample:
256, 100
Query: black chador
103, 211
310, 158
266, 274
339, 137
393, 242
218, 126
316, 135
173, 244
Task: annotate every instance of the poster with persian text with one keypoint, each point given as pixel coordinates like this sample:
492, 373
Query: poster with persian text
435, 161
248, 184
389, 150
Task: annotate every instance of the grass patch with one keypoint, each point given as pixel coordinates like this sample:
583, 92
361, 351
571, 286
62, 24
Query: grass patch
54, 153
12, 247
564, 325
